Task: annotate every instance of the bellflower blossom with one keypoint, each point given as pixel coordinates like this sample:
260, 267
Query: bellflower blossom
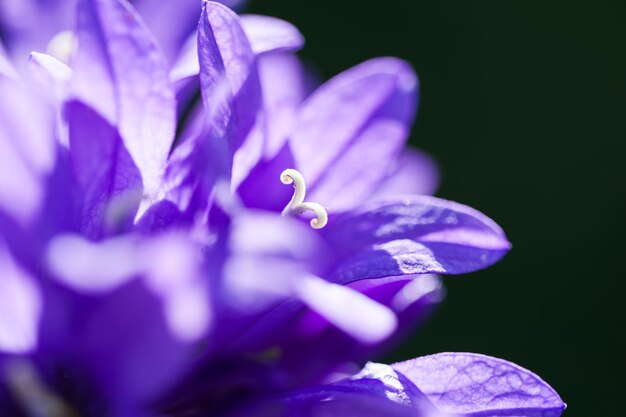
186, 229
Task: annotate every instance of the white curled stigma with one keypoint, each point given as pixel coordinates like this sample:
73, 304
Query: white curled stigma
297, 205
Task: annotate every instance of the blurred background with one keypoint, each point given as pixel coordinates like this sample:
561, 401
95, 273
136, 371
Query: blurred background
523, 103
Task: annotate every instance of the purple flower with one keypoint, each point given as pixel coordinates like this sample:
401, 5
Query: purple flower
333, 139
162, 255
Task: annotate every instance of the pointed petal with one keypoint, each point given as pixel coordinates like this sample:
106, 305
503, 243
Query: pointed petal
53, 75
477, 385
270, 34
414, 235
352, 128
228, 76
109, 182
120, 72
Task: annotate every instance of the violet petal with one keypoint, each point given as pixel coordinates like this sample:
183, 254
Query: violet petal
415, 172
120, 72
27, 150
477, 385
228, 76
270, 34
413, 235
20, 306
53, 75
377, 391
354, 313
171, 22
352, 128
108, 180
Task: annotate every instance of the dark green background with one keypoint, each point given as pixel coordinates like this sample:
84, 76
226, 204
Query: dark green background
523, 103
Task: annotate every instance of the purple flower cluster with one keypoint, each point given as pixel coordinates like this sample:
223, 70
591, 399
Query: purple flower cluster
188, 227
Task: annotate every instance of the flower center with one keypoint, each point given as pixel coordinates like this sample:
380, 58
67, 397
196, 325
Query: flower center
297, 205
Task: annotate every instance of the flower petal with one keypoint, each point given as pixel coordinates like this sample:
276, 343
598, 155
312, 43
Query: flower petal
93, 268
168, 265
412, 299
109, 183
270, 34
359, 316
122, 341
20, 306
27, 150
415, 173
53, 75
134, 309
228, 76
171, 22
6, 67
351, 130
413, 235
477, 385
284, 89
28, 25
377, 391
120, 72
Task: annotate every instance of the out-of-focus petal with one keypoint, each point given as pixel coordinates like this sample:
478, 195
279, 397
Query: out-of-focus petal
411, 298
284, 88
359, 316
28, 25
186, 67
173, 21
93, 268
170, 21
53, 75
270, 34
414, 173
109, 181
284, 85
6, 67
168, 264
134, 309
120, 72
267, 253
414, 235
20, 307
122, 343
477, 385
27, 149
351, 129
